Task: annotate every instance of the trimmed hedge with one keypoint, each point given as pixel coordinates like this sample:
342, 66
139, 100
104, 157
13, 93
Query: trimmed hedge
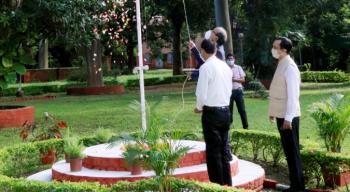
57, 87
157, 81
317, 163
324, 76
21, 185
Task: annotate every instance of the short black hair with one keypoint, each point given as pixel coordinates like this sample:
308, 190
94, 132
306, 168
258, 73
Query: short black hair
230, 55
285, 43
221, 38
208, 46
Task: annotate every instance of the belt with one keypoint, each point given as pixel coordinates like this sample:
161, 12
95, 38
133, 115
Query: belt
239, 88
207, 108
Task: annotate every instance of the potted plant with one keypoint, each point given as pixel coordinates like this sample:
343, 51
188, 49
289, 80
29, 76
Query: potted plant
333, 120
48, 128
73, 149
134, 157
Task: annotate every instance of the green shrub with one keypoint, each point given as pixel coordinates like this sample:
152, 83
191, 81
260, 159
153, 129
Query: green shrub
324, 76
333, 120
23, 159
21, 185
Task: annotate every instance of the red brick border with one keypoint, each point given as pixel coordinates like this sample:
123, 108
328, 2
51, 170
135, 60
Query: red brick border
28, 98
96, 90
16, 117
198, 176
118, 164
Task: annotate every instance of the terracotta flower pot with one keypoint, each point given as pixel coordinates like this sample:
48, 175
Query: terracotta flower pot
49, 158
136, 170
76, 165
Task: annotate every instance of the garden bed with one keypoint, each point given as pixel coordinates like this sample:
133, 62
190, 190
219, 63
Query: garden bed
16, 116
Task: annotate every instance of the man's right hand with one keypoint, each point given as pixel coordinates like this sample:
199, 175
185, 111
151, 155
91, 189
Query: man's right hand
191, 45
272, 119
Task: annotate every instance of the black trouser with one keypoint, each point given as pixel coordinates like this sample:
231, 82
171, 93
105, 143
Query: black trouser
216, 125
290, 143
238, 97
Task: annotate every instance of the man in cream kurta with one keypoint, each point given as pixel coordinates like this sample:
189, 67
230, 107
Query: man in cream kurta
284, 107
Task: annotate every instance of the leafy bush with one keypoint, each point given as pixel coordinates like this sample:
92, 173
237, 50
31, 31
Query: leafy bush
23, 159
333, 119
18, 185
324, 76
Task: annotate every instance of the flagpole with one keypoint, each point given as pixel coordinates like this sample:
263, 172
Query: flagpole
140, 58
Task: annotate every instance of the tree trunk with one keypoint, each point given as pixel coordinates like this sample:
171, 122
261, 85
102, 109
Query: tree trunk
131, 56
44, 54
223, 20
93, 57
177, 61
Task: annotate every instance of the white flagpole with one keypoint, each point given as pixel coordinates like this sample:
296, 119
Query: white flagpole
140, 57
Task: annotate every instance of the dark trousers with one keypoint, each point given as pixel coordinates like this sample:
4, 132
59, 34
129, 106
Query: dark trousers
290, 143
216, 125
238, 97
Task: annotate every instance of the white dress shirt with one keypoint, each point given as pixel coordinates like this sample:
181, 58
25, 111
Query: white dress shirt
292, 76
237, 73
214, 84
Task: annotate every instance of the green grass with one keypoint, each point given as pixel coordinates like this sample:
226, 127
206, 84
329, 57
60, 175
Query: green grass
87, 113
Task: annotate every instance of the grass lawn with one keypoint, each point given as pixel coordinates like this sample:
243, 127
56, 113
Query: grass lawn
87, 113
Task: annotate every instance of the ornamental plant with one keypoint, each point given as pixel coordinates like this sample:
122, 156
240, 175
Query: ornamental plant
333, 120
48, 128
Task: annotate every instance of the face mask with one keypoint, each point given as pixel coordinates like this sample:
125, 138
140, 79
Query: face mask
230, 62
275, 53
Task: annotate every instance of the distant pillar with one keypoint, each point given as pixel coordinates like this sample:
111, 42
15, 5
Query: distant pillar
44, 54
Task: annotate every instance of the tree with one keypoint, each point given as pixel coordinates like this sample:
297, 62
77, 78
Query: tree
17, 46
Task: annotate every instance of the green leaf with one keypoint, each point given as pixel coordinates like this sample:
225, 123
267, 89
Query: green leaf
10, 78
7, 62
3, 84
26, 59
20, 69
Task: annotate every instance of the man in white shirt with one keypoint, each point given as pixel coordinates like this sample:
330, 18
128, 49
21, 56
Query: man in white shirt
285, 108
213, 98
238, 77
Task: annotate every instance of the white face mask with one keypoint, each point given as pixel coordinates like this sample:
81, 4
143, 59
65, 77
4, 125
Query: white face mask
230, 62
275, 53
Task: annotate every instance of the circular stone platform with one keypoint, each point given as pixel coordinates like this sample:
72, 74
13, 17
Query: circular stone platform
104, 169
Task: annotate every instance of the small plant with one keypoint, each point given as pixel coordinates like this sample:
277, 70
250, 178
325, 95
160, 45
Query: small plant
103, 135
333, 119
73, 148
48, 128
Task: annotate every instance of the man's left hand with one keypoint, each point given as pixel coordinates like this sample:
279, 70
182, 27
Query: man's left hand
197, 110
287, 125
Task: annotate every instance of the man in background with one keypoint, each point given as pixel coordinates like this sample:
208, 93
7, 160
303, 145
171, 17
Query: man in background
238, 77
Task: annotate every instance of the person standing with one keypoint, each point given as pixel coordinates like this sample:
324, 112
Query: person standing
284, 107
238, 77
212, 100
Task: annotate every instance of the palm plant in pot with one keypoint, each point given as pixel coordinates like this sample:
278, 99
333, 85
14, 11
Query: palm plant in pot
333, 120
134, 156
74, 150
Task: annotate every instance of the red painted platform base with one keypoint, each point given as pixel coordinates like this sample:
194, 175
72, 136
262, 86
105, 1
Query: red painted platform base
16, 116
